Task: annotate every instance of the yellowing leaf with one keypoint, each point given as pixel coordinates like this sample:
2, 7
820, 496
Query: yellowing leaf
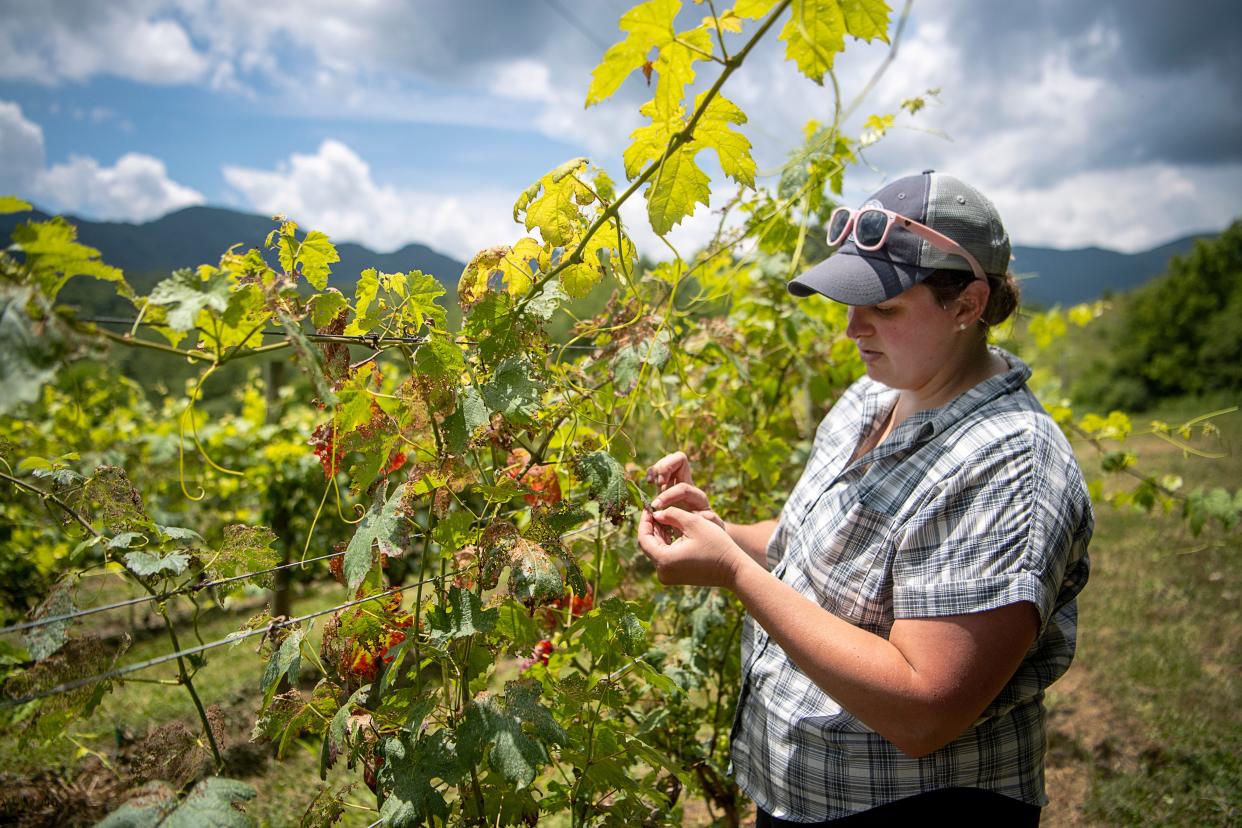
727, 22
649, 26
866, 19
555, 213
733, 148
813, 35
515, 266
648, 142
752, 9
578, 279
678, 187
13, 204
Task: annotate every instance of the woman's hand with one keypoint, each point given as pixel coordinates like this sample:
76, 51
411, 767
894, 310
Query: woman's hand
672, 474
704, 554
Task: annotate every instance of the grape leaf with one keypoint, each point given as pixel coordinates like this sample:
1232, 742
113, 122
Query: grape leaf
679, 185
308, 356
732, 147
469, 416
440, 357
513, 734
245, 549
813, 35
43, 641
286, 661
13, 204
513, 392
213, 802
533, 577
866, 19
411, 765
422, 292
32, 349
115, 499
648, 25
315, 255
54, 256
556, 212
146, 564
629, 361
380, 527
464, 616
605, 479
325, 306
185, 293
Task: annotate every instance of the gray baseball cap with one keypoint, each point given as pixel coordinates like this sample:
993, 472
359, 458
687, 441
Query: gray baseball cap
941, 202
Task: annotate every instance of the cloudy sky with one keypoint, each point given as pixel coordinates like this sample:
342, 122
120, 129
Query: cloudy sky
1115, 123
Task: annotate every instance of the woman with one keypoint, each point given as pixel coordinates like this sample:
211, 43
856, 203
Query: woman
917, 594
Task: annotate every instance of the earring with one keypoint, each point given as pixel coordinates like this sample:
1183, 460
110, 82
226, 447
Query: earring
962, 327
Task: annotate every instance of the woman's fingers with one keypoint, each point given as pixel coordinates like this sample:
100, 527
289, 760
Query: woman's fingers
669, 470
685, 495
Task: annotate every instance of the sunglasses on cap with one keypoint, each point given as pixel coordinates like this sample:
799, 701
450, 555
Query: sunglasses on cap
871, 226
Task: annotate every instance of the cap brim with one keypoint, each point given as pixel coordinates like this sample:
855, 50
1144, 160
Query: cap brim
853, 278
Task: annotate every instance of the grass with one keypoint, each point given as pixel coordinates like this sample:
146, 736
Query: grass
1161, 643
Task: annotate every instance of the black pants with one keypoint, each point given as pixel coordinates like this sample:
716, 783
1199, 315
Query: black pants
960, 807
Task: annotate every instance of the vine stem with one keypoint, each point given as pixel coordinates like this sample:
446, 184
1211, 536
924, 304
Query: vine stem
675, 143
51, 498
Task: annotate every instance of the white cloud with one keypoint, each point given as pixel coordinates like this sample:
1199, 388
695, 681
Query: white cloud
135, 188
21, 150
333, 190
47, 43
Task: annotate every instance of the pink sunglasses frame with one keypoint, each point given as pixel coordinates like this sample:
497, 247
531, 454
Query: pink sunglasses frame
935, 239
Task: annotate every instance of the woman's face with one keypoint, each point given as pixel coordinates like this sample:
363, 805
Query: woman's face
906, 342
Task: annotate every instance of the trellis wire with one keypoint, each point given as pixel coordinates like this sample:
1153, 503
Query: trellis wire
233, 638
143, 599
189, 588
210, 645
373, 340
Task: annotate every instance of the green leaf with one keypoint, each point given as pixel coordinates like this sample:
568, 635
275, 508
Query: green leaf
32, 348
245, 549
43, 641
315, 255
549, 299
334, 738
440, 357
325, 307
13, 204
424, 290
464, 616
468, 418
454, 531
380, 528
813, 35
212, 803
513, 392
411, 768
354, 402
513, 735
54, 256
632, 635
179, 533
605, 479
628, 364
146, 564
184, 294
678, 187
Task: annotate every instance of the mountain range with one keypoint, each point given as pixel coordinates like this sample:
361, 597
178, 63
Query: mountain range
195, 235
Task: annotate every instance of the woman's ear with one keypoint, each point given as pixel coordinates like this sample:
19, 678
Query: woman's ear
970, 304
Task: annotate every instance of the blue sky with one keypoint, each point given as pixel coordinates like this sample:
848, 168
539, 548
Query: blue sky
1110, 123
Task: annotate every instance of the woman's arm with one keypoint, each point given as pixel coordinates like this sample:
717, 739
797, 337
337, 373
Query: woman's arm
753, 538
920, 688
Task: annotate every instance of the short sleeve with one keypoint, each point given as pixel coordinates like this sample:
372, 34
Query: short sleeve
997, 530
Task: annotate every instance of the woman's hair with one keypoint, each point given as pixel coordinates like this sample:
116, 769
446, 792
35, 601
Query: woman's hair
947, 285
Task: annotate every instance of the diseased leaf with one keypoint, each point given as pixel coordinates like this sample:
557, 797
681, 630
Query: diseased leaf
146, 564
43, 641
440, 358
285, 662
245, 549
513, 391
514, 735
605, 478
381, 528
533, 577
412, 767
464, 616
115, 500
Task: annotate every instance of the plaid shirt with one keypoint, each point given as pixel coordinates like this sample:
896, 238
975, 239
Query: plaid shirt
964, 508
